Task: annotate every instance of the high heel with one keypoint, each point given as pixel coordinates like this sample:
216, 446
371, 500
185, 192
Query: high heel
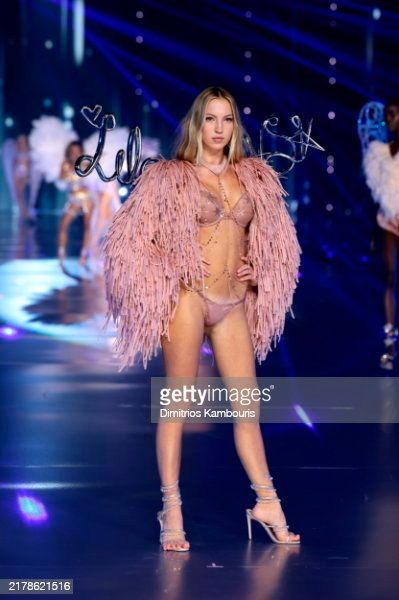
84, 255
387, 361
269, 527
391, 336
173, 500
61, 255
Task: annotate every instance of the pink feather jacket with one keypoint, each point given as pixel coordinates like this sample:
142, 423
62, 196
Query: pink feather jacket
152, 246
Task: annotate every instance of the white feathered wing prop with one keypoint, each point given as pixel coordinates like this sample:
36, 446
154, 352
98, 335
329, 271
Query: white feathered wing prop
382, 177
48, 141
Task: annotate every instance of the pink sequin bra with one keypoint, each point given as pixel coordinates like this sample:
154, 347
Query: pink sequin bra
211, 212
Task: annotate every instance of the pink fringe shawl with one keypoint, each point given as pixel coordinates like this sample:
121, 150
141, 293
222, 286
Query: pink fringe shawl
152, 245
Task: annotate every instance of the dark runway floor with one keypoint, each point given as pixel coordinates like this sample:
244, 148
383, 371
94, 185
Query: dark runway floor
79, 489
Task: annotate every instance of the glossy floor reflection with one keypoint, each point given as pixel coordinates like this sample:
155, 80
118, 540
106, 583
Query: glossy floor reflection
79, 488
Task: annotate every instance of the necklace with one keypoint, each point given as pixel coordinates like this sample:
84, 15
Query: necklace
218, 174
215, 169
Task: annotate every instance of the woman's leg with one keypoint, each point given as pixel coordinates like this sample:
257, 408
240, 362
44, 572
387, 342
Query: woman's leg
63, 228
101, 218
20, 185
181, 356
86, 234
390, 254
234, 356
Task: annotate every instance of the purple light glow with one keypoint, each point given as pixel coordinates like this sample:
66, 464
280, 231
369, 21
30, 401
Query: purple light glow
31, 509
7, 332
206, 350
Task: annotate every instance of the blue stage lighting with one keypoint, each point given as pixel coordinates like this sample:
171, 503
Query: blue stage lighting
78, 31
68, 111
303, 416
376, 14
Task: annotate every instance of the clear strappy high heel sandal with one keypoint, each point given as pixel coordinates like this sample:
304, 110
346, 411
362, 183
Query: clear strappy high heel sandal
169, 535
269, 527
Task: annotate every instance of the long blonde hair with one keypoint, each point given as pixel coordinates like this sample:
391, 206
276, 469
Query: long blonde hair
189, 142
